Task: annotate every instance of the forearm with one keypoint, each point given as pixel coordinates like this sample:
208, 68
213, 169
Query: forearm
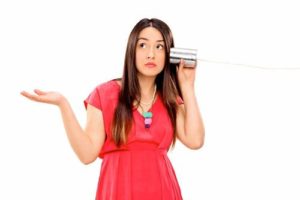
80, 142
193, 123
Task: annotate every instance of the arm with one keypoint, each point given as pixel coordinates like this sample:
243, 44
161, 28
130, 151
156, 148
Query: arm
87, 142
190, 128
189, 124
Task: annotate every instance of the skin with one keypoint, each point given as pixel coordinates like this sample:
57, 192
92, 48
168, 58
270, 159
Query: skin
149, 48
87, 142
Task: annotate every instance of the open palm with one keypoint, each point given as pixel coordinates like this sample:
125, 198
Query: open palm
54, 98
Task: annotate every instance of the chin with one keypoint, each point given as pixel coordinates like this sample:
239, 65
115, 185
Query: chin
147, 74
150, 72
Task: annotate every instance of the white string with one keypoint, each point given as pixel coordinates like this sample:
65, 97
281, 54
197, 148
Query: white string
250, 66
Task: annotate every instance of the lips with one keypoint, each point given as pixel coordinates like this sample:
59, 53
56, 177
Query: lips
150, 64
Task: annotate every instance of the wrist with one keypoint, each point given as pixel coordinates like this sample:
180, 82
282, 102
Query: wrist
187, 88
62, 102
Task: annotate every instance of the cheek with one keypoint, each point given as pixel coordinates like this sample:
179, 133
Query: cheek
161, 62
138, 57
140, 54
162, 58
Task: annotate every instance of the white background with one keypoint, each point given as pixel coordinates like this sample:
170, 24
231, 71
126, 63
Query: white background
251, 115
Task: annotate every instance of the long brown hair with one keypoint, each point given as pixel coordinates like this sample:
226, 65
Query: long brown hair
166, 81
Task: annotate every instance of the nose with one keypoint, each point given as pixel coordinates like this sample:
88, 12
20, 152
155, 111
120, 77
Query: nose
150, 53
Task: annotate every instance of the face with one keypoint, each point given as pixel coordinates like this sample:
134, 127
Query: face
150, 52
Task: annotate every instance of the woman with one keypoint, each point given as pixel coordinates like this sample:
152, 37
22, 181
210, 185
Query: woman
132, 121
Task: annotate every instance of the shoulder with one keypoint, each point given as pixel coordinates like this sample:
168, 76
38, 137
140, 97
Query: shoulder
109, 87
103, 95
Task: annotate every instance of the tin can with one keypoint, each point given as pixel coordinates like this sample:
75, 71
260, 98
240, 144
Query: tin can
188, 55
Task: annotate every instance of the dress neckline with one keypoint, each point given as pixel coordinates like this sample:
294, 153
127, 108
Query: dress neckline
135, 109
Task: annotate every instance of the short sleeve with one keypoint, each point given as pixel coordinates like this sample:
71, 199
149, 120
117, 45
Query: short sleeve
93, 99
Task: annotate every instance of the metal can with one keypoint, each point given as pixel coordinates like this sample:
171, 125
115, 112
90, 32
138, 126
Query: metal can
188, 55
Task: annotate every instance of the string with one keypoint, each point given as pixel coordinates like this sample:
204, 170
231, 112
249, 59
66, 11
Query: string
249, 66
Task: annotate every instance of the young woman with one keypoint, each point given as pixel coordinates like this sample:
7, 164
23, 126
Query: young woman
133, 121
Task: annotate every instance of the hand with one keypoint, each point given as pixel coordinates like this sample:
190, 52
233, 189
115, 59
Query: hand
54, 98
186, 75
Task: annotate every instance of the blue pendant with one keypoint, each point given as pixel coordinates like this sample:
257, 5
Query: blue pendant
147, 119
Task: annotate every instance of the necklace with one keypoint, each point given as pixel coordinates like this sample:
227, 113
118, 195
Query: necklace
147, 104
148, 115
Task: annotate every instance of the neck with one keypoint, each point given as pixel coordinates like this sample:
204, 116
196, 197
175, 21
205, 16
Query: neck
147, 86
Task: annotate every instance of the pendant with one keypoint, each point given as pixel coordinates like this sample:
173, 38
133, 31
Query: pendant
147, 119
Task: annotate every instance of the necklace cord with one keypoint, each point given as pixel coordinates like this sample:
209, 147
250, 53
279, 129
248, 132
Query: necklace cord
151, 102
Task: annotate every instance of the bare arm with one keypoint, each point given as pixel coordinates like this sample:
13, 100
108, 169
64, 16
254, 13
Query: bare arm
190, 128
87, 142
189, 124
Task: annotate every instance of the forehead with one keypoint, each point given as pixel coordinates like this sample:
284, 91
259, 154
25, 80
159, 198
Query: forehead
151, 34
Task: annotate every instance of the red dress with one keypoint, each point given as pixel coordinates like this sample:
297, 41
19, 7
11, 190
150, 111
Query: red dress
139, 169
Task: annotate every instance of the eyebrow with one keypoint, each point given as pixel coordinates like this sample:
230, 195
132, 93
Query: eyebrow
142, 38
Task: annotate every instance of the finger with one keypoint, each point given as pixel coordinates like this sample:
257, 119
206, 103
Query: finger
31, 96
25, 94
181, 65
39, 92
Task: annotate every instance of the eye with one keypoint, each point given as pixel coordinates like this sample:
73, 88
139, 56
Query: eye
160, 46
142, 45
